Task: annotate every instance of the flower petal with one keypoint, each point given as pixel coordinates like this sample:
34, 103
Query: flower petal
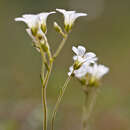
43, 16
30, 19
75, 58
71, 70
89, 54
81, 50
75, 50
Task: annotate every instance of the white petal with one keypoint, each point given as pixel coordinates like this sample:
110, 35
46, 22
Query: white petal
64, 12
81, 50
19, 19
75, 50
98, 71
80, 59
74, 16
75, 58
80, 14
69, 73
89, 54
91, 60
30, 20
82, 71
102, 70
71, 70
61, 10
43, 16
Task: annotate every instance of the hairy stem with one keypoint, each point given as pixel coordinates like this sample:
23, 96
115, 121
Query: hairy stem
90, 99
62, 91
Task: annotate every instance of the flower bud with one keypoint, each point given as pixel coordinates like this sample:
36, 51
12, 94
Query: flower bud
57, 27
34, 31
44, 28
44, 46
67, 28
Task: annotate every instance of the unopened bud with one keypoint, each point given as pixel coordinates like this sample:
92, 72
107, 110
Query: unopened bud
67, 27
44, 28
57, 27
44, 46
34, 31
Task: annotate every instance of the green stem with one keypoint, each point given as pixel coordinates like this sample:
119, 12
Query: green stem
90, 99
60, 46
44, 80
62, 91
44, 108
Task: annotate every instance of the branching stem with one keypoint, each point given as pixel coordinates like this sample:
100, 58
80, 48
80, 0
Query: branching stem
60, 46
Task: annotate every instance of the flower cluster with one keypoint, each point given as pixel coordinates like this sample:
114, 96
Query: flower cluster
37, 26
85, 67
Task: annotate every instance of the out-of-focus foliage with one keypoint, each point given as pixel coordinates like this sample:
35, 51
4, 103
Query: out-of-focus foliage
105, 31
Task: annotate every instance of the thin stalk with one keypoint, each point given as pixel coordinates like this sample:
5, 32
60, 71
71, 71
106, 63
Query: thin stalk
44, 102
62, 91
44, 80
48, 74
60, 46
90, 99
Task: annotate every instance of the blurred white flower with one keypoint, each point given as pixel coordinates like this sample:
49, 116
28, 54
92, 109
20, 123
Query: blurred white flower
70, 17
81, 61
79, 73
97, 71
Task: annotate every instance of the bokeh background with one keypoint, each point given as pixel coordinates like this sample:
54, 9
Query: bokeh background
106, 31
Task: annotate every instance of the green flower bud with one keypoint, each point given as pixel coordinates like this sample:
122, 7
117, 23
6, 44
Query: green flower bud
44, 28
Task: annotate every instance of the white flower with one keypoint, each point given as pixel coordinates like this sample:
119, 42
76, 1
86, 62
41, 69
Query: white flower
31, 20
35, 21
70, 17
98, 71
81, 61
79, 73
83, 57
43, 18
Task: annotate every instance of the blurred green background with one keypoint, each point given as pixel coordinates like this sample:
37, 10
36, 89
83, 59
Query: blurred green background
106, 31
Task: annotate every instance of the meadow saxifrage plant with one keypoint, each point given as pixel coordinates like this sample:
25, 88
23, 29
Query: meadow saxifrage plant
84, 68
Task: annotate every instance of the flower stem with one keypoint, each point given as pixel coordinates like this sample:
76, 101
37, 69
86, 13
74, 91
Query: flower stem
44, 108
62, 91
60, 46
90, 99
44, 80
